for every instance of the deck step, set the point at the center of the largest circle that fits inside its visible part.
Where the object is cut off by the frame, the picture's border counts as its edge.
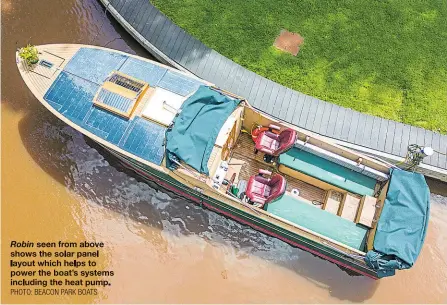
(367, 211)
(332, 201)
(349, 206)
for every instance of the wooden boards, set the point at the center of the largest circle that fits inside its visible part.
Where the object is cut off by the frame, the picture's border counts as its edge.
(332, 201)
(349, 206)
(367, 210)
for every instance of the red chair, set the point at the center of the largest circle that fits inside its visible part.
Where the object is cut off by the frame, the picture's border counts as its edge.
(262, 190)
(273, 144)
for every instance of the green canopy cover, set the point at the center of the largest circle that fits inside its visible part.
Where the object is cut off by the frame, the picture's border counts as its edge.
(195, 129)
(402, 225)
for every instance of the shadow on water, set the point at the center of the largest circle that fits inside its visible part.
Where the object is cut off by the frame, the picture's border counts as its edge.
(88, 170)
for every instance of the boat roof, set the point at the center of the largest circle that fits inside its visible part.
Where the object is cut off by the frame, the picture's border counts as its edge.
(78, 90)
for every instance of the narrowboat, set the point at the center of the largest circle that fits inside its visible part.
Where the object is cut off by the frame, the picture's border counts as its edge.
(213, 148)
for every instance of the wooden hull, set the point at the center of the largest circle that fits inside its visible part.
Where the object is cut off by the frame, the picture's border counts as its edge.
(250, 219)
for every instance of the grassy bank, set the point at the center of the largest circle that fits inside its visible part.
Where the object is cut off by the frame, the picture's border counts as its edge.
(387, 58)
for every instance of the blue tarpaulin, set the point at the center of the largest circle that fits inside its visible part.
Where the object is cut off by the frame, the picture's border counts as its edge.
(195, 129)
(402, 225)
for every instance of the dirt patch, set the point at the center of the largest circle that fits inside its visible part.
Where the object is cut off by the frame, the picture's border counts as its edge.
(289, 42)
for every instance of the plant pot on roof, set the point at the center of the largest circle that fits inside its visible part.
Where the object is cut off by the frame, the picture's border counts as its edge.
(29, 54)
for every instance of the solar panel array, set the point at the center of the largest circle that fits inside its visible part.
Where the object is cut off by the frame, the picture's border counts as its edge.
(114, 100)
(73, 91)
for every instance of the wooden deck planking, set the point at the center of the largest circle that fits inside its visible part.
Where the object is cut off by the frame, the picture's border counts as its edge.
(150, 24)
(248, 82)
(125, 8)
(390, 137)
(297, 103)
(353, 127)
(265, 98)
(155, 19)
(339, 121)
(436, 144)
(144, 17)
(254, 89)
(115, 3)
(120, 5)
(420, 136)
(280, 111)
(303, 112)
(229, 77)
(443, 150)
(405, 140)
(368, 130)
(139, 6)
(133, 11)
(203, 60)
(293, 105)
(361, 121)
(332, 120)
(318, 117)
(171, 38)
(259, 92)
(180, 46)
(242, 82)
(188, 51)
(347, 120)
(325, 118)
(224, 71)
(198, 55)
(159, 29)
(165, 34)
(270, 97)
(285, 104)
(278, 100)
(236, 80)
(428, 141)
(312, 114)
(397, 139)
(212, 66)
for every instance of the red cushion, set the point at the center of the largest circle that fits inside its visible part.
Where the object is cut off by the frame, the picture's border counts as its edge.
(263, 190)
(274, 144)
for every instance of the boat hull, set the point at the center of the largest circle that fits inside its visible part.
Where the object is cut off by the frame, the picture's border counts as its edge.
(70, 112)
(213, 204)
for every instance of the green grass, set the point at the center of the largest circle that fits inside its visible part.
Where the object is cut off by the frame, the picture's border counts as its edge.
(383, 57)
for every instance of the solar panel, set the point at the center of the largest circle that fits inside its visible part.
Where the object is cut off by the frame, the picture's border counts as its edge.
(94, 64)
(73, 97)
(143, 70)
(105, 124)
(178, 83)
(114, 100)
(73, 92)
(145, 139)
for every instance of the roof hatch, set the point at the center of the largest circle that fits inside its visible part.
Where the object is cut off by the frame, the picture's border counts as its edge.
(120, 94)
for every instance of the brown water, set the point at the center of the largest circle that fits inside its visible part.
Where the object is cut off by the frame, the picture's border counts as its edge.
(56, 185)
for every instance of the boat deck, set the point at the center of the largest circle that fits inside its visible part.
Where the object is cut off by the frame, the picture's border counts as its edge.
(77, 72)
(243, 154)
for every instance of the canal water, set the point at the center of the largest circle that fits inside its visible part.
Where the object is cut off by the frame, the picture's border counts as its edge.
(57, 185)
